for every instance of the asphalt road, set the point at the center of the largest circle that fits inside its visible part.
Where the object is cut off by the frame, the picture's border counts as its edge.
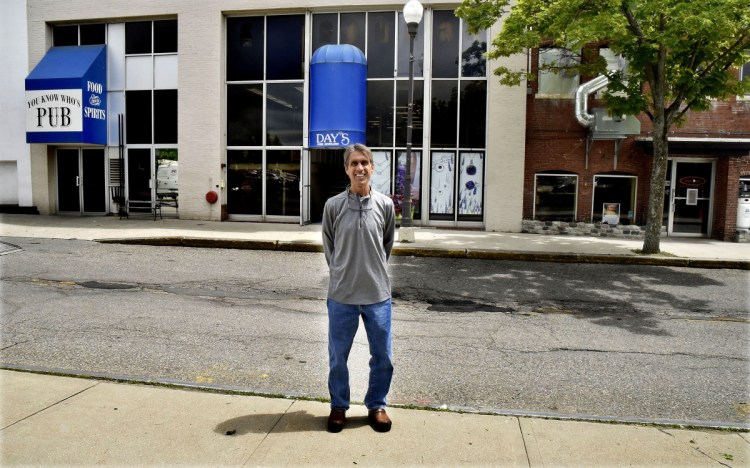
(594, 340)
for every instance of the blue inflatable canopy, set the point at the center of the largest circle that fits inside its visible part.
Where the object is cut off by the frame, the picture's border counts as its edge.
(66, 96)
(338, 96)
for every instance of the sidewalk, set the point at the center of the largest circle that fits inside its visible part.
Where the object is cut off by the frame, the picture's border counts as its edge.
(686, 252)
(49, 420)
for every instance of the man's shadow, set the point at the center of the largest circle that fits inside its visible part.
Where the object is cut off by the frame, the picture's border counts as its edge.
(295, 421)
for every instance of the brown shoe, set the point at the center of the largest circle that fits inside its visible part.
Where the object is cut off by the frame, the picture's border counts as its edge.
(379, 420)
(336, 420)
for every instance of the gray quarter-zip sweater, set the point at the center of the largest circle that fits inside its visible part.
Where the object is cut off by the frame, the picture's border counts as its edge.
(358, 235)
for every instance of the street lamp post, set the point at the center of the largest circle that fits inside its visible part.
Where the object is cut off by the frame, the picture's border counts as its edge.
(413, 16)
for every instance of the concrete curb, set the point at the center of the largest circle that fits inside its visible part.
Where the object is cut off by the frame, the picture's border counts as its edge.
(405, 251)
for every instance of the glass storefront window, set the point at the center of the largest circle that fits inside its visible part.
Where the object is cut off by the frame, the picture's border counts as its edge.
(403, 49)
(353, 29)
(84, 34)
(268, 113)
(282, 182)
(138, 37)
(379, 113)
(325, 30)
(245, 48)
(444, 113)
(416, 171)
(165, 36)
(167, 177)
(555, 197)
(614, 196)
(473, 118)
(138, 117)
(65, 35)
(474, 46)
(92, 34)
(380, 46)
(445, 40)
(553, 84)
(402, 106)
(334, 28)
(245, 115)
(284, 103)
(285, 47)
(245, 182)
(165, 107)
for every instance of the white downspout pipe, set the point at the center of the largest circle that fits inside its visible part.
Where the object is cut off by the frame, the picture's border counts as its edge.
(582, 93)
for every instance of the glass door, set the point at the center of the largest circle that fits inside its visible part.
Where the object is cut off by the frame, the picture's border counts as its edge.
(93, 188)
(691, 194)
(81, 184)
(140, 177)
(68, 181)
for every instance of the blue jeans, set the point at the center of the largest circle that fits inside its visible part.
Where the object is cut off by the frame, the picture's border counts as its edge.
(343, 321)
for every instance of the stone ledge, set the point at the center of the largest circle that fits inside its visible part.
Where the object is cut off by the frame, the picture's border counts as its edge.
(630, 231)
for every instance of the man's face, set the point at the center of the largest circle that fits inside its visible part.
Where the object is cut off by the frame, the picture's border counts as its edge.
(359, 169)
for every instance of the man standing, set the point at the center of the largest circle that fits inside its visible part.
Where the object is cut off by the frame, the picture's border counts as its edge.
(358, 232)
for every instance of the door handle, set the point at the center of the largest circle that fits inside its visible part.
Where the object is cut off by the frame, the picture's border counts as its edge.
(78, 181)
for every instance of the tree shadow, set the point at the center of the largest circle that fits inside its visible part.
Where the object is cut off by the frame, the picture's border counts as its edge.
(623, 296)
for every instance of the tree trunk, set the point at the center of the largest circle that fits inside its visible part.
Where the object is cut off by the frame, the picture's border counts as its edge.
(656, 196)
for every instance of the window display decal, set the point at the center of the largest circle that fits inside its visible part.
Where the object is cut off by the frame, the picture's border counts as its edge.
(470, 184)
(381, 174)
(441, 183)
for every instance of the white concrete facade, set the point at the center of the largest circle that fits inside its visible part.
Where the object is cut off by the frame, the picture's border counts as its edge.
(202, 103)
(15, 164)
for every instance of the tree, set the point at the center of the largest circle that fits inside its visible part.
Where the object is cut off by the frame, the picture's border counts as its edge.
(681, 54)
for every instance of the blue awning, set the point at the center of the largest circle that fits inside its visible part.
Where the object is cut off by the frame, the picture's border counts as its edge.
(66, 96)
(338, 96)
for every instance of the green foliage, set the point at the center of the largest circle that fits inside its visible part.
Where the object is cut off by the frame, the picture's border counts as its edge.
(681, 53)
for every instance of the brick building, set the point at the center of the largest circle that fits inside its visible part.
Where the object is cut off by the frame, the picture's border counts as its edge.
(571, 177)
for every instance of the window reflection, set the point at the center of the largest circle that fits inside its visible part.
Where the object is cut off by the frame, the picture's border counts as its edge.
(167, 176)
(555, 197)
(245, 45)
(285, 47)
(473, 118)
(379, 113)
(353, 29)
(245, 115)
(403, 48)
(444, 113)
(380, 37)
(325, 30)
(473, 61)
(245, 182)
(284, 114)
(445, 44)
(402, 108)
(282, 183)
